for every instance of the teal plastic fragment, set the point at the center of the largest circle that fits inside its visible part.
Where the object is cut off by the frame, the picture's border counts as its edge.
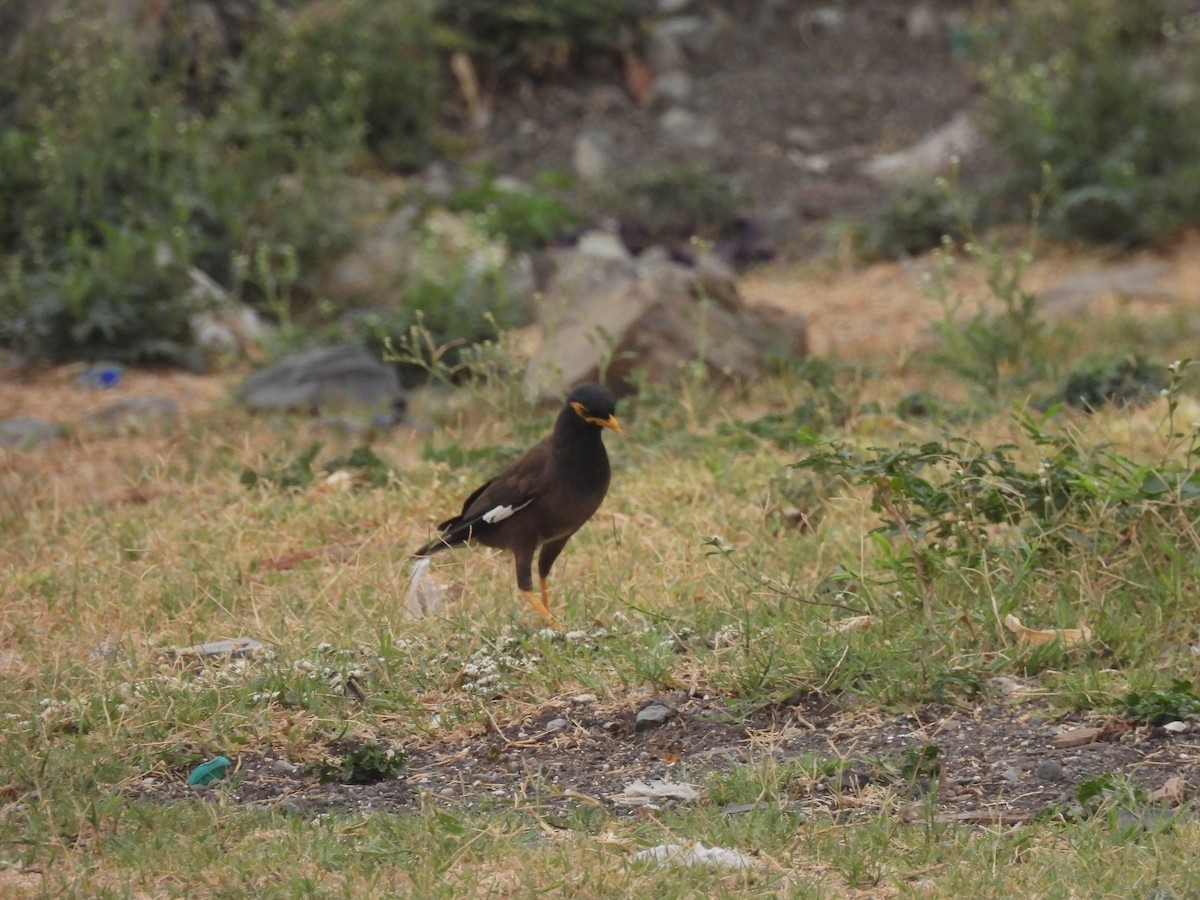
(207, 773)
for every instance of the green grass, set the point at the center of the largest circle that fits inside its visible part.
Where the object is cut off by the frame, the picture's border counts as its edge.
(688, 577)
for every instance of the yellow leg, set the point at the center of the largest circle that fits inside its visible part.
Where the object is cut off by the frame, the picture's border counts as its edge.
(539, 606)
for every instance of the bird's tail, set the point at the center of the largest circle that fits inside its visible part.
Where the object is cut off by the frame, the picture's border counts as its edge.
(427, 550)
(450, 535)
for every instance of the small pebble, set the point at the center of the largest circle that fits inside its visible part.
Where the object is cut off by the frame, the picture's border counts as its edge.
(653, 716)
(1012, 775)
(1051, 770)
(556, 724)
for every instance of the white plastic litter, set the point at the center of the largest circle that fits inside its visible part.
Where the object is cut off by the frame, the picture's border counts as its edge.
(424, 593)
(696, 855)
(642, 793)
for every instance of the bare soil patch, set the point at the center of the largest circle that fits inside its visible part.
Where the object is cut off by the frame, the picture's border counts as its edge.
(1001, 763)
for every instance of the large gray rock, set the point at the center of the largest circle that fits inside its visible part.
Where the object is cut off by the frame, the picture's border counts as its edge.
(26, 432)
(929, 157)
(135, 414)
(605, 316)
(221, 326)
(326, 379)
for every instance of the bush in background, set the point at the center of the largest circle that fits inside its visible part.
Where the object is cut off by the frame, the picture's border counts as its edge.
(674, 203)
(1102, 96)
(1094, 109)
(120, 169)
(916, 219)
(524, 218)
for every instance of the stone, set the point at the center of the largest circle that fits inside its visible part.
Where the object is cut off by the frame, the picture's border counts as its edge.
(1072, 295)
(929, 157)
(1077, 737)
(613, 315)
(27, 432)
(220, 325)
(804, 138)
(687, 129)
(694, 34)
(339, 377)
(237, 330)
(135, 414)
(653, 716)
(664, 52)
(602, 245)
(922, 22)
(595, 149)
(381, 255)
(436, 179)
(1050, 770)
(812, 163)
(823, 18)
(556, 724)
(673, 87)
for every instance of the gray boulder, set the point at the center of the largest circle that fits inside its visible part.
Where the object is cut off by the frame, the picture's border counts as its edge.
(135, 414)
(929, 157)
(605, 317)
(26, 432)
(326, 378)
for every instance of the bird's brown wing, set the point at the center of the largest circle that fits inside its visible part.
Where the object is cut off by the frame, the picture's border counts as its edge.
(496, 501)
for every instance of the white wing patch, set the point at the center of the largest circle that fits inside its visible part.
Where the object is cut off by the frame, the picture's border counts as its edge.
(500, 513)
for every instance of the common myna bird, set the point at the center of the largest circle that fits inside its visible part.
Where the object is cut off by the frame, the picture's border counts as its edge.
(541, 499)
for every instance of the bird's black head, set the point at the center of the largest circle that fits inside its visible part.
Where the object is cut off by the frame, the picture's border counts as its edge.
(595, 404)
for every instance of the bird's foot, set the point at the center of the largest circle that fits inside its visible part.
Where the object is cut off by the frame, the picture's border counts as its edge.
(539, 607)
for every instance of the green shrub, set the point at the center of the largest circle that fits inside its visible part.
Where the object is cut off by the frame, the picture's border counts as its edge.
(539, 37)
(96, 189)
(1125, 379)
(1105, 95)
(115, 179)
(1004, 341)
(676, 202)
(914, 220)
(523, 219)
(331, 70)
(118, 294)
(1160, 706)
